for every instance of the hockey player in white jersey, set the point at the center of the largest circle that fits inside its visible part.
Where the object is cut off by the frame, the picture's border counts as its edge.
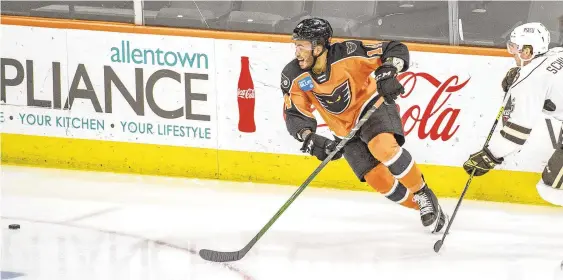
(532, 88)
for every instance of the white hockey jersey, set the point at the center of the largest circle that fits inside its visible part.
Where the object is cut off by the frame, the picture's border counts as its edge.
(537, 90)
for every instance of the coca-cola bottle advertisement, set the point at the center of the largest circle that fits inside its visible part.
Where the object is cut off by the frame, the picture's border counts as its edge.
(246, 98)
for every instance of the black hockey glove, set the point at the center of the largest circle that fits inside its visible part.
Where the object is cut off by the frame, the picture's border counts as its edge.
(509, 79)
(387, 84)
(482, 162)
(320, 146)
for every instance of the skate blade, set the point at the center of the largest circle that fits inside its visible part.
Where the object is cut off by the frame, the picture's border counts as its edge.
(437, 223)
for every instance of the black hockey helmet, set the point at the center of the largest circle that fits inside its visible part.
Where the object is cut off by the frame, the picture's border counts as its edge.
(316, 30)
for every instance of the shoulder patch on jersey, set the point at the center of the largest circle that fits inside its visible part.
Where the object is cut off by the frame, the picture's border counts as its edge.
(351, 47)
(344, 49)
(306, 83)
(285, 82)
(289, 73)
(337, 101)
(357, 48)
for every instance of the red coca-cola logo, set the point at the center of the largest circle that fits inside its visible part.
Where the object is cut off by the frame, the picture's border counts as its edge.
(434, 120)
(421, 116)
(245, 93)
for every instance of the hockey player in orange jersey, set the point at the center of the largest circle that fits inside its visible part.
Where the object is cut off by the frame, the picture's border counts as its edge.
(336, 80)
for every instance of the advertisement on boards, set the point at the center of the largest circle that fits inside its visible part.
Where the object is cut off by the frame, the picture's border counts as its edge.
(448, 108)
(109, 86)
(458, 99)
(250, 111)
(225, 94)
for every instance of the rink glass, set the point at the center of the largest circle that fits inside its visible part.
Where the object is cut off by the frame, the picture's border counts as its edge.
(469, 23)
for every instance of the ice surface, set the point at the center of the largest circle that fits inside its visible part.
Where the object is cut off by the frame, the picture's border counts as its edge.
(86, 225)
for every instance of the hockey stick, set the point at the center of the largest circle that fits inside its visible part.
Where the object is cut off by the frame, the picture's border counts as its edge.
(216, 256)
(439, 243)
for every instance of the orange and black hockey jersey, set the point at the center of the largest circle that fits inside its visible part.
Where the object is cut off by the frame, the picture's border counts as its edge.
(342, 92)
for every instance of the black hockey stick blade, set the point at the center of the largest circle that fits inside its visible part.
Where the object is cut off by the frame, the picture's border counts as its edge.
(439, 243)
(216, 256)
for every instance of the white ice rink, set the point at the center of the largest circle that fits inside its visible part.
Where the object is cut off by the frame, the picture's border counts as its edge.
(83, 225)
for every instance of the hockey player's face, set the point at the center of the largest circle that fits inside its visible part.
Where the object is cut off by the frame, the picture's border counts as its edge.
(303, 53)
(520, 57)
(523, 57)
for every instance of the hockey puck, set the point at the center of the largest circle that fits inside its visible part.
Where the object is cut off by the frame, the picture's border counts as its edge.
(14, 226)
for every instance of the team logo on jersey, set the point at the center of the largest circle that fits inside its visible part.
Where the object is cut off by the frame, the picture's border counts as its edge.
(306, 84)
(351, 47)
(338, 100)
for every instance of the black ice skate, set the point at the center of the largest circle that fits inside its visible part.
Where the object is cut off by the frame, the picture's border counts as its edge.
(431, 213)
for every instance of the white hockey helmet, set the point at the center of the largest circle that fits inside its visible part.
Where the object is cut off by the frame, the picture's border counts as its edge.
(533, 34)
